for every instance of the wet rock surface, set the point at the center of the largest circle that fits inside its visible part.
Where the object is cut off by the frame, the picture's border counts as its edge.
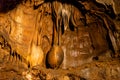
(89, 38)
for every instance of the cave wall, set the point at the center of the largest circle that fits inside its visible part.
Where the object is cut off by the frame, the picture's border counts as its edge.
(81, 44)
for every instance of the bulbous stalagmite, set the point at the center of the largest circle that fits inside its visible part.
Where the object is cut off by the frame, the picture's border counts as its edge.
(55, 57)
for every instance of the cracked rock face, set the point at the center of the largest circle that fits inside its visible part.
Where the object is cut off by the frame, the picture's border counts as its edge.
(114, 3)
(89, 36)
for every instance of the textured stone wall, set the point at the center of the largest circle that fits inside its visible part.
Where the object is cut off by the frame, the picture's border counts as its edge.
(89, 38)
(86, 36)
(114, 3)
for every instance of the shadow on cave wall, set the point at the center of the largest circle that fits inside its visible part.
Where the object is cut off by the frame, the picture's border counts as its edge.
(7, 5)
(108, 9)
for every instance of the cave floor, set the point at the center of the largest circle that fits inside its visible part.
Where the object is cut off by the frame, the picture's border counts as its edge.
(14, 69)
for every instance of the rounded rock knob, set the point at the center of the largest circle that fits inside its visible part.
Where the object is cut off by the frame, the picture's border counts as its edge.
(55, 57)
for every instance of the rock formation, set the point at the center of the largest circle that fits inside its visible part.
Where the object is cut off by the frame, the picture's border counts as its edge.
(89, 38)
